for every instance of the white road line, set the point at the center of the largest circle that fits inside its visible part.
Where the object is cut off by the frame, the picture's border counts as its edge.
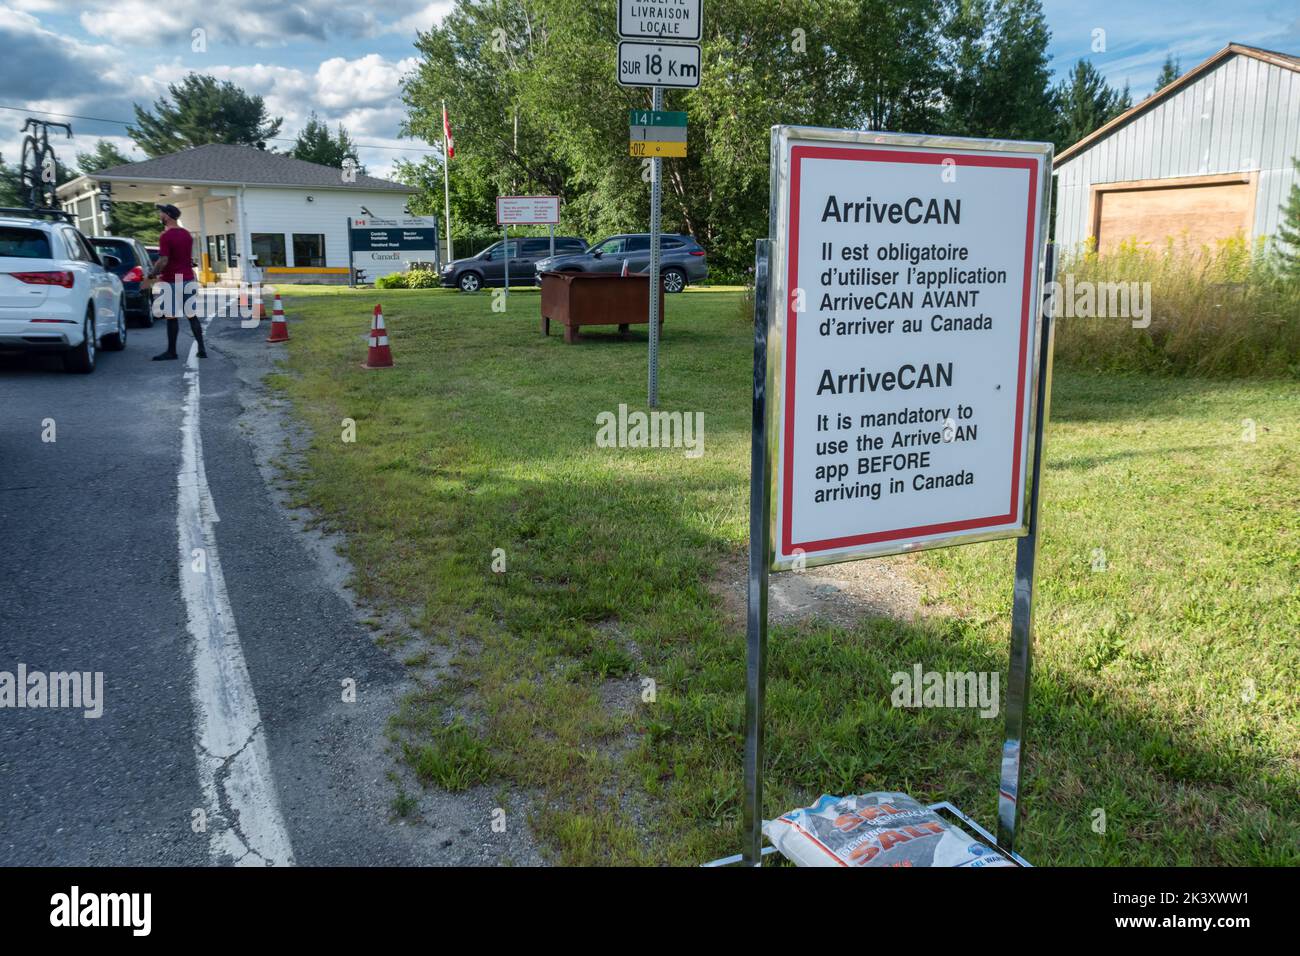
(243, 812)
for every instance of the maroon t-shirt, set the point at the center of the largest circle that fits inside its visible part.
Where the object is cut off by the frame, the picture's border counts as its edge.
(177, 245)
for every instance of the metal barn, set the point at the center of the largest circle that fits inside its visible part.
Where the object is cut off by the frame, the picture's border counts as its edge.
(1206, 158)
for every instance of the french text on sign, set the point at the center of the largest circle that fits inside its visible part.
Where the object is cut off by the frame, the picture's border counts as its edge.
(528, 210)
(659, 64)
(660, 19)
(906, 305)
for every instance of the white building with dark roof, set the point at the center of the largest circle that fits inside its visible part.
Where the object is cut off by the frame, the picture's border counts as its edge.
(292, 215)
(1205, 158)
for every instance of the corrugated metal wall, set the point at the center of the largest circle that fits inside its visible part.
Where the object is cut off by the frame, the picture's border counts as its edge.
(1243, 115)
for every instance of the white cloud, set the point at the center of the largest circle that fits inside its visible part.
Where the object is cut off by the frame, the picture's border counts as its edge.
(369, 80)
(421, 20)
(243, 22)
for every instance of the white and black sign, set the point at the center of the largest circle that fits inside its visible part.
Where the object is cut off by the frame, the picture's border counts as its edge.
(383, 246)
(659, 64)
(906, 290)
(528, 210)
(660, 19)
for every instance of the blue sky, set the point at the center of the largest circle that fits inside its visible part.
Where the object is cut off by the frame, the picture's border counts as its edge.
(344, 59)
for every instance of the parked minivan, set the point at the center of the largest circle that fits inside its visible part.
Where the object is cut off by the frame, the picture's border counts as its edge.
(489, 266)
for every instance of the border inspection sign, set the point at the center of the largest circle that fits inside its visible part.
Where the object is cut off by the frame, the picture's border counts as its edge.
(660, 19)
(528, 210)
(906, 290)
(674, 65)
(657, 133)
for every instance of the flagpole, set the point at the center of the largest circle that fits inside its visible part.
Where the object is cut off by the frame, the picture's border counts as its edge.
(446, 181)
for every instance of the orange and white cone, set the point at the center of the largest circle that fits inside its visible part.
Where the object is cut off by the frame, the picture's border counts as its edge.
(624, 273)
(379, 354)
(259, 312)
(279, 328)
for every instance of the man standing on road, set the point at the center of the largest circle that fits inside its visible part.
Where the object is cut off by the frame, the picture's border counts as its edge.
(176, 274)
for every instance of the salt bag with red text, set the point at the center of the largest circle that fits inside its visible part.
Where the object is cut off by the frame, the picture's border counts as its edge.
(875, 829)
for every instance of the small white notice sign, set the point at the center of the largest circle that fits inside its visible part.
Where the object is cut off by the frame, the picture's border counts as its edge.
(906, 288)
(528, 210)
(660, 19)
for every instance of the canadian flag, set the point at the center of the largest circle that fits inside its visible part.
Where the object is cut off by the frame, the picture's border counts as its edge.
(446, 133)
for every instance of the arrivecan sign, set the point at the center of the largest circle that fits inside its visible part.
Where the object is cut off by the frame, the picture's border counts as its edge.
(906, 288)
(383, 246)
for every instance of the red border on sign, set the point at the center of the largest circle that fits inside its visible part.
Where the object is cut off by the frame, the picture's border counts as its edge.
(535, 222)
(797, 155)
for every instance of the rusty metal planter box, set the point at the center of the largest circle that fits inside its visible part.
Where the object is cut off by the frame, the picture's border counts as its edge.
(575, 299)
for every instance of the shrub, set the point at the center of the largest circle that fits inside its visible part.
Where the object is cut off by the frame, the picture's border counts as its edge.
(422, 279)
(1227, 310)
(394, 280)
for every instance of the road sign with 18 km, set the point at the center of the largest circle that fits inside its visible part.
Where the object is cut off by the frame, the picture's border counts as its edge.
(659, 64)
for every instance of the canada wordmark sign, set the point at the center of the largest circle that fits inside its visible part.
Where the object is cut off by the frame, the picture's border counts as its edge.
(906, 281)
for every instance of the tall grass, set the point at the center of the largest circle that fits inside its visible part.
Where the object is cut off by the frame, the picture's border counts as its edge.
(1226, 310)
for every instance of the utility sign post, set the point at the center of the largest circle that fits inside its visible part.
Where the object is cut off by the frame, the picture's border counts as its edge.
(658, 65)
(902, 354)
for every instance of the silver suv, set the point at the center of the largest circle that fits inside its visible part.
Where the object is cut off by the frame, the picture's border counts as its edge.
(681, 260)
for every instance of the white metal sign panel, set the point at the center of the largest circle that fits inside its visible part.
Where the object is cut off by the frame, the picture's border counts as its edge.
(659, 64)
(906, 288)
(660, 19)
(528, 210)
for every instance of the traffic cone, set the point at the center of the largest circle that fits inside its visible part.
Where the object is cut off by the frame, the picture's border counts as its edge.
(259, 311)
(379, 354)
(624, 273)
(279, 328)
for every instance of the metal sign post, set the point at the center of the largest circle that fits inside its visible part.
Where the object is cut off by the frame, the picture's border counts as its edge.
(951, 358)
(675, 64)
(656, 198)
(1022, 607)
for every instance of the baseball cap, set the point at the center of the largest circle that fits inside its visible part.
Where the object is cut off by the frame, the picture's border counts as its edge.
(169, 209)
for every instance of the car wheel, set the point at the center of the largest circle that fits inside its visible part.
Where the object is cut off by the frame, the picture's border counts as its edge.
(470, 282)
(117, 340)
(82, 358)
(674, 280)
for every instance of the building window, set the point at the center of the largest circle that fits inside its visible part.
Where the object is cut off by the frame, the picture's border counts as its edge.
(308, 249)
(269, 248)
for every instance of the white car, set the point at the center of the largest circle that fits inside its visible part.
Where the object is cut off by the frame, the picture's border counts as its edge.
(56, 294)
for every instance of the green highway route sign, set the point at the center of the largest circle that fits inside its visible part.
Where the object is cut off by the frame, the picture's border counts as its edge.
(657, 133)
(656, 118)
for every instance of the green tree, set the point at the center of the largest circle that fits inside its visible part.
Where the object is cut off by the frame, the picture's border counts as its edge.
(9, 184)
(1288, 230)
(996, 81)
(1086, 102)
(137, 220)
(316, 144)
(202, 110)
(1168, 73)
(529, 87)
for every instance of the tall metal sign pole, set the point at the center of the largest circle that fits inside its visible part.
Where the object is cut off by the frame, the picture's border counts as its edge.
(656, 201)
(657, 51)
(917, 423)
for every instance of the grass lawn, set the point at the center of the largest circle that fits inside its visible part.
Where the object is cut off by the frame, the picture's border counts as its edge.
(1165, 686)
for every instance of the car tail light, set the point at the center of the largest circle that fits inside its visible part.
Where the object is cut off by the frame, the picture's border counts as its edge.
(697, 252)
(134, 274)
(64, 279)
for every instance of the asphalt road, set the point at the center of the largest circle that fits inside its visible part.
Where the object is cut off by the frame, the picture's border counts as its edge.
(90, 581)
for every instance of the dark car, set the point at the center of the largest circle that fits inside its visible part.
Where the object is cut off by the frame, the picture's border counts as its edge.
(681, 259)
(489, 266)
(129, 254)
